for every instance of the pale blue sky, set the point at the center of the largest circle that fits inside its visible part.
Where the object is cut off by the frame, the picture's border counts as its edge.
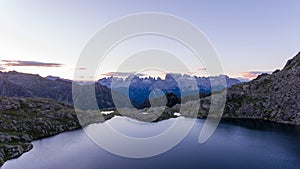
(253, 35)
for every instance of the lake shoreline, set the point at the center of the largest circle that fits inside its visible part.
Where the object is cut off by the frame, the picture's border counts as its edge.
(230, 138)
(234, 121)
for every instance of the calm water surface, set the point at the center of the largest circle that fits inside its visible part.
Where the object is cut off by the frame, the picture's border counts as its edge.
(239, 144)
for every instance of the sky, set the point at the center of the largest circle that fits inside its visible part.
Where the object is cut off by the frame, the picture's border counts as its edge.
(47, 37)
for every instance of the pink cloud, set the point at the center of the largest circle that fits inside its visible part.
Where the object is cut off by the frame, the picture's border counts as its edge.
(253, 74)
(29, 63)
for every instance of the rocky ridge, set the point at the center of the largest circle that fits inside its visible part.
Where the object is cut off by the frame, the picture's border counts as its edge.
(16, 84)
(273, 97)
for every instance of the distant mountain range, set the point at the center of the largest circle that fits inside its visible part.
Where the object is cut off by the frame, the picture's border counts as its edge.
(138, 89)
(34, 86)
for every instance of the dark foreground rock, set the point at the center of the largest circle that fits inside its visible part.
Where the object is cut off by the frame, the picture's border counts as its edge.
(23, 120)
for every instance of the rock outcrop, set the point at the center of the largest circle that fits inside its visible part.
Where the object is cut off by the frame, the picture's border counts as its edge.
(24, 119)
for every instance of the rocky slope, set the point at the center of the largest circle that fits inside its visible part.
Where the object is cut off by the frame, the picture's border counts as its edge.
(23, 120)
(29, 85)
(274, 97)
